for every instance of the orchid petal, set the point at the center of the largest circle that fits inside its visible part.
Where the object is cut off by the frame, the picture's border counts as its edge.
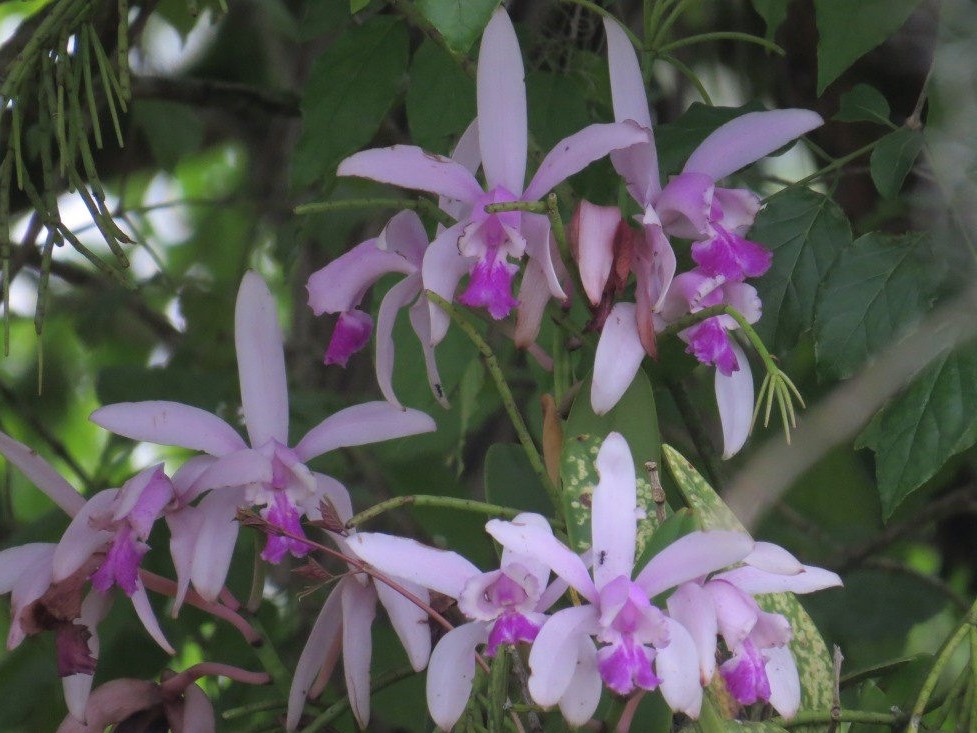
(323, 637)
(771, 558)
(785, 683)
(83, 536)
(187, 474)
(359, 604)
(143, 497)
(370, 422)
(420, 320)
(336, 494)
(539, 570)
(78, 686)
(613, 521)
(594, 229)
(574, 153)
(16, 562)
(440, 570)
(33, 579)
(554, 654)
(451, 671)
(618, 358)
(743, 298)
(405, 235)
(409, 621)
(739, 208)
(443, 267)
(734, 396)
(680, 684)
(692, 607)
(407, 166)
(748, 138)
(240, 468)
(198, 712)
(582, 695)
(533, 297)
(169, 423)
(468, 154)
(260, 362)
(140, 602)
(755, 581)
(215, 541)
(340, 285)
(654, 268)
(692, 556)
(399, 296)
(736, 612)
(685, 205)
(528, 539)
(42, 474)
(184, 527)
(501, 98)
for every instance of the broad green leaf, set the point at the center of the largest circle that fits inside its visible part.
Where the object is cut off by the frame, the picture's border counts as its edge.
(773, 12)
(806, 231)
(440, 99)
(356, 6)
(876, 288)
(918, 431)
(511, 481)
(350, 88)
(848, 29)
(863, 103)
(676, 140)
(871, 697)
(635, 418)
(557, 107)
(893, 158)
(173, 131)
(808, 647)
(461, 23)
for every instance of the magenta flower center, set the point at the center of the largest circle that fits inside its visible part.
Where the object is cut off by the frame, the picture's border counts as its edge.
(121, 564)
(352, 333)
(282, 513)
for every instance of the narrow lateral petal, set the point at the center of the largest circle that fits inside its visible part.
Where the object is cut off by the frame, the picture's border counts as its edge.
(582, 695)
(404, 235)
(440, 570)
(198, 712)
(420, 320)
(184, 527)
(684, 206)
(443, 268)
(359, 604)
(370, 422)
(748, 138)
(408, 166)
(785, 683)
(613, 521)
(574, 153)
(240, 468)
(215, 541)
(84, 536)
(324, 636)
(140, 602)
(399, 296)
(627, 85)
(451, 671)
(169, 423)
(618, 358)
(692, 556)
(692, 607)
(734, 397)
(533, 297)
(593, 230)
(21, 560)
(42, 474)
(676, 665)
(409, 621)
(554, 654)
(772, 558)
(501, 97)
(755, 581)
(261, 362)
(340, 285)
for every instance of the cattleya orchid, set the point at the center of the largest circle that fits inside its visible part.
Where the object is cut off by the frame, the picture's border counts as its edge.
(480, 243)
(506, 606)
(265, 472)
(689, 206)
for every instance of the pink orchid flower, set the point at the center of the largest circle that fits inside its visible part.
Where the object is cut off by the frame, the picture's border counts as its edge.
(640, 646)
(481, 244)
(505, 606)
(267, 472)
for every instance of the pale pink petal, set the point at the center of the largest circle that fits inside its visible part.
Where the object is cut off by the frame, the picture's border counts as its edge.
(654, 268)
(337, 495)
(736, 612)
(595, 228)
(370, 422)
(734, 396)
(528, 539)
(501, 93)
(261, 362)
(785, 684)
(772, 558)
(685, 206)
(554, 654)
(184, 527)
(679, 672)
(240, 468)
(420, 320)
(42, 474)
(407, 166)
(755, 581)
(409, 621)
(539, 570)
(692, 607)
(84, 535)
(582, 695)
(359, 603)
(533, 297)
(142, 499)
(451, 671)
(466, 153)
(554, 592)
(22, 560)
(739, 206)
(188, 473)
(627, 84)
(169, 423)
(692, 556)
(404, 235)
(748, 138)
(78, 686)
(618, 358)
(743, 298)
(33, 579)
(140, 602)
(440, 570)
(574, 153)
(443, 267)
(399, 296)
(215, 541)
(323, 637)
(541, 247)
(340, 285)
(612, 520)
(198, 712)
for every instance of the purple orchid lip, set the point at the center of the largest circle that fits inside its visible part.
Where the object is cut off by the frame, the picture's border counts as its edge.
(510, 628)
(352, 333)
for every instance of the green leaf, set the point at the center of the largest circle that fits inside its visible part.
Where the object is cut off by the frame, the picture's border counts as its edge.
(356, 6)
(848, 29)
(773, 12)
(557, 107)
(461, 23)
(511, 481)
(876, 288)
(635, 418)
(893, 158)
(916, 433)
(808, 647)
(863, 103)
(806, 231)
(440, 99)
(676, 140)
(173, 131)
(350, 88)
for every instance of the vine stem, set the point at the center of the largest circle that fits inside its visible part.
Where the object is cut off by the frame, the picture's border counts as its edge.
(448, 502)
(833, 165)
(722, 36)
(724, 310)
(508, 401)
(814, 717)
(419, 204)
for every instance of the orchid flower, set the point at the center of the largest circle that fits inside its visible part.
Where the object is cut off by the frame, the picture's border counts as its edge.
(640, 646)
(505, 606)
(481, 244)
(265, 472)
(344, 623)
(762, 666)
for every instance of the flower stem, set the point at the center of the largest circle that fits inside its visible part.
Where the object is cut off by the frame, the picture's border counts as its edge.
(448, 502)
(722, 36)
(533, 207)
(418, 204)
(833, 165)
(814, 717)
(339, 707)
(271, 661)
(508, 402)
(605, 13)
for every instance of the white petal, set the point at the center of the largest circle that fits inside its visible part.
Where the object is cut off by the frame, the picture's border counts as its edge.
(83, 537)
(359, 610)
(692, 607)
(440, 570)
(692, 556)
(613, 519)
(554, 654)
(451, 671)
(322, 639)
(618, 358)
(676, 665)
(785, 684)
(370, 422)
(734, 396)
(409, 621)
(582, 695)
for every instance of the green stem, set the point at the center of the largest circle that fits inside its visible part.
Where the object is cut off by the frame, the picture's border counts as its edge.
(605, 13)
(447, 502)
(814, 717)
(270, 661)
(419, 204)
(722, 36)
(341, 706)
(655, 42)
(834, 165)
(690, 75)
(508, 402)
(246, 711)
(533, 207)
